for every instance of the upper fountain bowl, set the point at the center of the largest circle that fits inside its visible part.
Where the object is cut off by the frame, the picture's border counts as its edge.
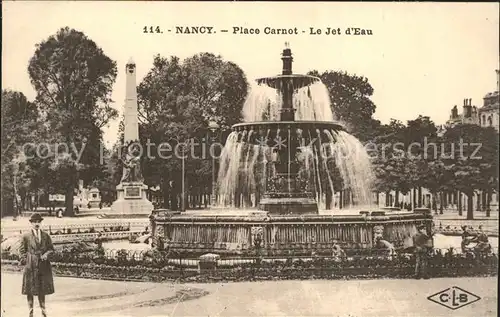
(297, 81)
(270, 131)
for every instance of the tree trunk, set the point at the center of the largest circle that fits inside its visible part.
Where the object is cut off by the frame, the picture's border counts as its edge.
(488, 202)
(378, 198)
(414, 202)
(478, 201)
(37, 200)
(396, 199)
(443, 197)
(341, 199)
(484, 198)
(70, 191)
(22, 203)
(69, 200)
(237, 199)
(470, 206)
(459, 203)
(419, 197)
(387, 198)
(328, 200)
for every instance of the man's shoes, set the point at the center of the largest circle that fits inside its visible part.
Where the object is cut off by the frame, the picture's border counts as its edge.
(417, 277)
(426, 277)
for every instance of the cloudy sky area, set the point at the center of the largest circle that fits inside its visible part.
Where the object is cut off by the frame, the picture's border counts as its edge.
(422, 59)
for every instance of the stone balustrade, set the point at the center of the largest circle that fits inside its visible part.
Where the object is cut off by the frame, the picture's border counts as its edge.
(78, 237)
(80, 228)
(277, 235)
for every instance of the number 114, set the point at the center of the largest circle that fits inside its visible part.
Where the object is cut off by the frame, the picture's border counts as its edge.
(152, 29)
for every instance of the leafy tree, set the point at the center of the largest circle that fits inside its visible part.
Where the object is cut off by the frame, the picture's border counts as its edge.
(471, 156)
(390, 160)
(350, 101)
(73, 79)
(177, 100)
(420, 136)
(20, 126)
(419, 130)
(406, 157)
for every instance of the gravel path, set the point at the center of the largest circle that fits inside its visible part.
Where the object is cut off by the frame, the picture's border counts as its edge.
(93, 298)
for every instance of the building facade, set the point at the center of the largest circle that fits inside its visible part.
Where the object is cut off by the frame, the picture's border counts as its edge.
(485, 116)
(469, 115)
(489, 112)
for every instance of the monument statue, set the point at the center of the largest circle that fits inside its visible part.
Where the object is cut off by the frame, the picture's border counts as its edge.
(132, 167)
(131, 192)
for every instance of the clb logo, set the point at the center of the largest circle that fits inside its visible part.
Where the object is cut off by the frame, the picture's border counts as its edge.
(454, 298)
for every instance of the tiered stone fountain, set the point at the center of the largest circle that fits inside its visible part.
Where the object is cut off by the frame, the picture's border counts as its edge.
(283, 158)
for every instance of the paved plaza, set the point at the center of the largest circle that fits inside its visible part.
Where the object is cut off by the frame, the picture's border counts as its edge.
(22, 223)
(382, 297)
(450, 217)
(93, 298)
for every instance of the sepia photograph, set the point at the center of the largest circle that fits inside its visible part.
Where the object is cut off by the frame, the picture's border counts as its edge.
(247, 159)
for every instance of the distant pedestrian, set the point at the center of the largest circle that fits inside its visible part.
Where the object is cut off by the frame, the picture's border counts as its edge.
(466, 239)
(483, 245)
(36, 247)
(423, 244)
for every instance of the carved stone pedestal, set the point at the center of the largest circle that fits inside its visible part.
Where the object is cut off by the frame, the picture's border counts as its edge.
(132, 201)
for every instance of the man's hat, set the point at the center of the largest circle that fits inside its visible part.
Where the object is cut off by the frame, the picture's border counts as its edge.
(36, 217)
(420, 227)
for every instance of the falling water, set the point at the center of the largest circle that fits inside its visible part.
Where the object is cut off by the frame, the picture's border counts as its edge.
(312, 103)
(335, 161)
(354, 165)
(262, 104)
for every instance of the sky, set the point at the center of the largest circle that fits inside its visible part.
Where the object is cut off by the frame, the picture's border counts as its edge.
(422, 58)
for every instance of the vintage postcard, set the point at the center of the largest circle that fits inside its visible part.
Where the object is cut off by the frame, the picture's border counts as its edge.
(249, 159)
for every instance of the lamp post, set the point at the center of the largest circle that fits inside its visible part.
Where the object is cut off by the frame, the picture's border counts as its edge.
(213, 127)
(183, 147)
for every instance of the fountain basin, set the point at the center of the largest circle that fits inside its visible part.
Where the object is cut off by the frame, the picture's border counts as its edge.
(247, 232)
(296, 81)
(269, 132)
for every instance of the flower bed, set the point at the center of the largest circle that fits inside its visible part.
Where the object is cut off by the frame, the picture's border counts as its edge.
(158, 267)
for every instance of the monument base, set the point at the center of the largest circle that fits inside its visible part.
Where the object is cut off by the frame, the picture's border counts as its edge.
(131, 203)
(289, 206)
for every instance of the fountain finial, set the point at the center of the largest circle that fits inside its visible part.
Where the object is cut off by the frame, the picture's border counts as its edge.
(287, 59)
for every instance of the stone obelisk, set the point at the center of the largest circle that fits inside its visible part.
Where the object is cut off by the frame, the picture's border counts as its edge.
(131, 191)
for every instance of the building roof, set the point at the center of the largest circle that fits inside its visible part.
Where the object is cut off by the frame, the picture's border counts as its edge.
(494, 106)
(491, 95)
(491, 102)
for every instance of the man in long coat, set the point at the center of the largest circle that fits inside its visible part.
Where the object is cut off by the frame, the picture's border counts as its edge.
(36, 247)
(423, 244)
